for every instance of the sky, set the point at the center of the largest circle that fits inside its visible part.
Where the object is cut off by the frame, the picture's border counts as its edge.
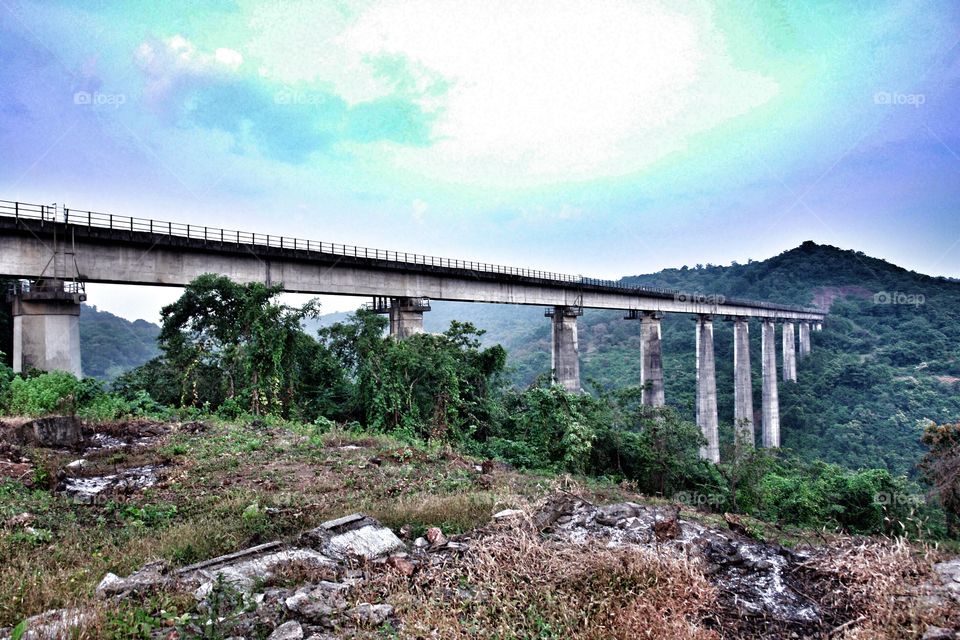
(601, 138)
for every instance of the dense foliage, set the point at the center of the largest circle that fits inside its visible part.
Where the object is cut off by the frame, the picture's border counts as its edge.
(233, 350)
(886, 364)
(110, 345)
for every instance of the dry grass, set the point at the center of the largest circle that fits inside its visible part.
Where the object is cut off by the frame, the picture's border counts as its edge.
(869, 589)
(513, 584)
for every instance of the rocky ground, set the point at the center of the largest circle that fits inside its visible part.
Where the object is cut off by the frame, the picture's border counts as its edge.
(261, 531)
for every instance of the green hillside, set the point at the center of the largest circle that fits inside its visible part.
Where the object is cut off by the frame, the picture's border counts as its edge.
(111, 345)
(878, 370)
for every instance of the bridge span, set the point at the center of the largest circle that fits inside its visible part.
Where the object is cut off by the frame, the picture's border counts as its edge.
(55, 250)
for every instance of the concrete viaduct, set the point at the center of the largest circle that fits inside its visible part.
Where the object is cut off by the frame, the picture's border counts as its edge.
(52, 251)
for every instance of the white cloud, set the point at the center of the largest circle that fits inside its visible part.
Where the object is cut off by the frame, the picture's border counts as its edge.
(539, 92)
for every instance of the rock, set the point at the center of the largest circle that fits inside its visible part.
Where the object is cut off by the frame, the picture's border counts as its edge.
(318, 603)
(20, 520)
(150, 576)
(402, 565)
(735, 524)
(435, 537)
(666, 529)
(938, 633)
(57, 623)
(243, 569)
(290, 630)
(420, 543)
(54, 431)
(507, 514)
(371, 615)
(354, 535)
(77, 465)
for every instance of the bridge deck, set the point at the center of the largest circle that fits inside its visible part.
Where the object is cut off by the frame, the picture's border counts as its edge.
(120, 249)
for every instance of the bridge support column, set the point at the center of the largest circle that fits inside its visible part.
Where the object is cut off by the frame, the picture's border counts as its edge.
(804, 339)
(789, 352)
(565, 353)
(771, 400)
(742, 385)
(818, 326)
(406, 316)
(46, 328)
(651, 360)
(707, 390)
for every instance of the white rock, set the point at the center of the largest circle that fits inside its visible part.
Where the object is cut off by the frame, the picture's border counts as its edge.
(368, 542)
(290, 630)
(507, 514)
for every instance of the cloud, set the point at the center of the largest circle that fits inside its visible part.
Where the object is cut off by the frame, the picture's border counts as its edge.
(191, 88)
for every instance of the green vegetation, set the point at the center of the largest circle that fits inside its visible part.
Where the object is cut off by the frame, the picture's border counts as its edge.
(110, 345)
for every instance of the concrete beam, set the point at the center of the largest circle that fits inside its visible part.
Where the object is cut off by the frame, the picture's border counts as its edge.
(707, 390)
(565, 352)
(117, 257)
(804, 340)
(651, 360)
(742, 385)
(789, 352)
(46, 335)
(770, 399)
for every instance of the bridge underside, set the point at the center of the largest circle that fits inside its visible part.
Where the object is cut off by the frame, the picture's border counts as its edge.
(111, 256)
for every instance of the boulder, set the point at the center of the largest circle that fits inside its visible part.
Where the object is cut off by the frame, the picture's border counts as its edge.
(317, 603)
(290, 630)
(370, 615)
(354, 535)
(150, 576)
(53, 431)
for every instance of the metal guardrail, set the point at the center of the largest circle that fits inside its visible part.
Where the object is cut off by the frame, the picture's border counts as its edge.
(93, 219)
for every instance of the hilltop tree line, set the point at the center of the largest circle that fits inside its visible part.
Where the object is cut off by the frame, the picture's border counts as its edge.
(234, 351)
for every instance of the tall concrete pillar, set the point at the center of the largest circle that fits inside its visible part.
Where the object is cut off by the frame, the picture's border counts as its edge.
(771, 400)
(651, 360)
(707, 390)
(46, 329)
(804, 339)
(789, 352)
(565, 353)
(818, 326)
(742, 384)
(406, 316)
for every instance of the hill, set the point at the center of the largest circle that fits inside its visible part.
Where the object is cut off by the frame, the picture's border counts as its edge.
(887, 360)
(110, 345)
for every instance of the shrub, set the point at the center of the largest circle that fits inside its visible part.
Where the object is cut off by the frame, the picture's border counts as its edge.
(44, 394)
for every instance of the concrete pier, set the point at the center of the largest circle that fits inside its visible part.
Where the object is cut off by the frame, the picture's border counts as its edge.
(770, 400)
(804, 339)
(565, 354)
(651, 359)
(789, 352)
(742, 385)
(406, 316)
(706, 401)
(46, 330)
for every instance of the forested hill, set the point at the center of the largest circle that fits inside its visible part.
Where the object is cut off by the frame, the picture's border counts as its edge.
(110, 345)
(881, 367)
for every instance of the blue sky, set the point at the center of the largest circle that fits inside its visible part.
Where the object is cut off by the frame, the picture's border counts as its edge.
(602, 138)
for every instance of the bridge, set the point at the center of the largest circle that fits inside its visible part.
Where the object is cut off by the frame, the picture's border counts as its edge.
(53, 251)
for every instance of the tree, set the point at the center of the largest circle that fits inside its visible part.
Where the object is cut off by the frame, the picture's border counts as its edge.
(941, 468)
(231, 342)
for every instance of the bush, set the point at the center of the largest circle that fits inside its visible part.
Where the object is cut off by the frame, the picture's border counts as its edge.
(44, 394)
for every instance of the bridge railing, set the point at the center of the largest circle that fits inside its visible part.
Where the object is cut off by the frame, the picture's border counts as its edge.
(94, 219)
